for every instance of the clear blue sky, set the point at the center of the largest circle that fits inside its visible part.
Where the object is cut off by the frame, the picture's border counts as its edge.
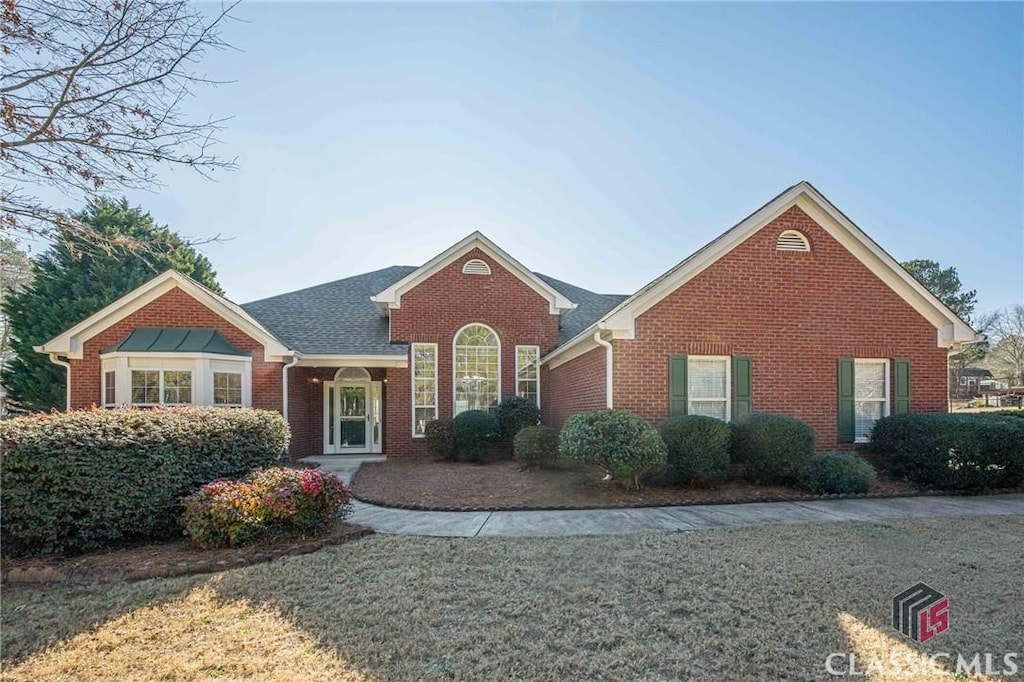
(604, 143)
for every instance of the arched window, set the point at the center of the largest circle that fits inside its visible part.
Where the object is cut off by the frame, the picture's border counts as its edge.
(477, 368)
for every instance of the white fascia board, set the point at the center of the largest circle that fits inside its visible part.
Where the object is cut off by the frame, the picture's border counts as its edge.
(391, 297)
(353, 361)
(71, 342)
(580, 344)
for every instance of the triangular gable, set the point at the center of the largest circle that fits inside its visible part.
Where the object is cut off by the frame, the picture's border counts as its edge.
(620, 321)
(72, 342)
(391, 297)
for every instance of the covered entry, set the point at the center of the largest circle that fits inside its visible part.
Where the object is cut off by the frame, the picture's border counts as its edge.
(352, 412)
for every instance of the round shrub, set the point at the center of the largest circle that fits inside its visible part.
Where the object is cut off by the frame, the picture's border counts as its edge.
(535, 447)
(696, 449)
(268, 503)
(440, 439)
(622, 444)
(951, 451)
(475, 433)
(773, 448)
(74, 481)
(514, 414)
(836, 473)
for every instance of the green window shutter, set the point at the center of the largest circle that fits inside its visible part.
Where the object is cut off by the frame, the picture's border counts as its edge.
(846, 394)
(901, 387)
(676, 385)
(742, 388)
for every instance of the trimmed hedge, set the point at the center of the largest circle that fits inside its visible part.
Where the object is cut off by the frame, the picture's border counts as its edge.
(269, 503)
(476, 433)
(772, 447)
(441, 438)
(951, 451)
(514, 414)
(696, 449)
(535, 447)
(74, 481)
(622, 444)
(836, 473)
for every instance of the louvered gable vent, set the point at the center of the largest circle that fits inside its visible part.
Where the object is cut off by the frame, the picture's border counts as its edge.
(791, 240)
(476, 267)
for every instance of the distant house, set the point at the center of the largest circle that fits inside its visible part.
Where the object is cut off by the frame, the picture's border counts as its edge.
(975, 380)
(794, 310)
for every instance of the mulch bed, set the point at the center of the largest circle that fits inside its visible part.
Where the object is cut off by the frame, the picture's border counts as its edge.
(501, 486)
(163, 560)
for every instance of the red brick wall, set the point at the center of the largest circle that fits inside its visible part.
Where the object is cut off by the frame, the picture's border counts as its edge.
(174, 309)
(576, 386)
(434, 311)
(794, 314)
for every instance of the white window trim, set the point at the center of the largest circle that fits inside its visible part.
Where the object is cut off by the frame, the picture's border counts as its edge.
(201, 365)
(536, 349)
(160, 385)
(104, 372)
(886, 401)
(728, 383)
(412, 386)
(213, 388)
(455, 351)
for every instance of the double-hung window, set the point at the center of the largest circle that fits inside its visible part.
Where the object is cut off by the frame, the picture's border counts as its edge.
(708, 387)
(424, 386)
(227, 389)
(161, 387)
(871, 395)
(527, 373)
(109, 389)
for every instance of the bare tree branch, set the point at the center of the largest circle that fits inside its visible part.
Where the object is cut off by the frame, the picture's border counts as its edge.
(91, 101)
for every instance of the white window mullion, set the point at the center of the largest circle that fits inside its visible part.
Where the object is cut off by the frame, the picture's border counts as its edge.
(423, 372)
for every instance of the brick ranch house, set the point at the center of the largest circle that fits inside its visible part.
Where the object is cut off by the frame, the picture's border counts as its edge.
(794, 310)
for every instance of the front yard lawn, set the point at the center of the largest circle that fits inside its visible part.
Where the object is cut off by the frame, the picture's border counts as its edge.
(731, 604)
(425, 484)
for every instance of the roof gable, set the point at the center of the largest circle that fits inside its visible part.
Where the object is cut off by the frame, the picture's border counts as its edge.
(620, 321)
(391, 297)
(72, 341)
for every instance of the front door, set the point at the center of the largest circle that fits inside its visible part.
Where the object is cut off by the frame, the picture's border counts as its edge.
(352, 416)
(353, 427)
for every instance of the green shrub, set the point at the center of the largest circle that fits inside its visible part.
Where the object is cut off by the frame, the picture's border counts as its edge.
(773, 448)
(696, 449)
(268, 503)
(535, 447)
(74, 481)
(951, 451)
(476, 433)
(836, 473)
(622, 444)
(440, 439)
(514, 414)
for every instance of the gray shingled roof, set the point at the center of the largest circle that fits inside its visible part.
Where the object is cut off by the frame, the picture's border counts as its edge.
(338, 318)
(589, 307)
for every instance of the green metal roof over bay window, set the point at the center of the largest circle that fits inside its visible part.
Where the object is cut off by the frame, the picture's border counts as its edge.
(175, 340)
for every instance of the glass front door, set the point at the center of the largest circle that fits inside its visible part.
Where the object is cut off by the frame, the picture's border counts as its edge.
(353, 417)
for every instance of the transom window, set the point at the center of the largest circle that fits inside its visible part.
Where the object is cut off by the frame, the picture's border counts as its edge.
(527, 379)
(424, 386)
(707, 387)
(871, 395)
(477, 368)
(227, 389)
(161, 387)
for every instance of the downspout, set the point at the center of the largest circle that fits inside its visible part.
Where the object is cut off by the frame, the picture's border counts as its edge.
(608, 367)
(67, 384)
(284, 385)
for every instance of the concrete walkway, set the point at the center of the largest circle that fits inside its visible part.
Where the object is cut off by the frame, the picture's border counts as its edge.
(621, 521)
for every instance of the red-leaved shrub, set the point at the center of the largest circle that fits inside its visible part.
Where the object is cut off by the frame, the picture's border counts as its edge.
(268, 503)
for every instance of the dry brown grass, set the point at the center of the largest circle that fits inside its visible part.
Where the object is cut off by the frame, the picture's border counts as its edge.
(743, 603)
